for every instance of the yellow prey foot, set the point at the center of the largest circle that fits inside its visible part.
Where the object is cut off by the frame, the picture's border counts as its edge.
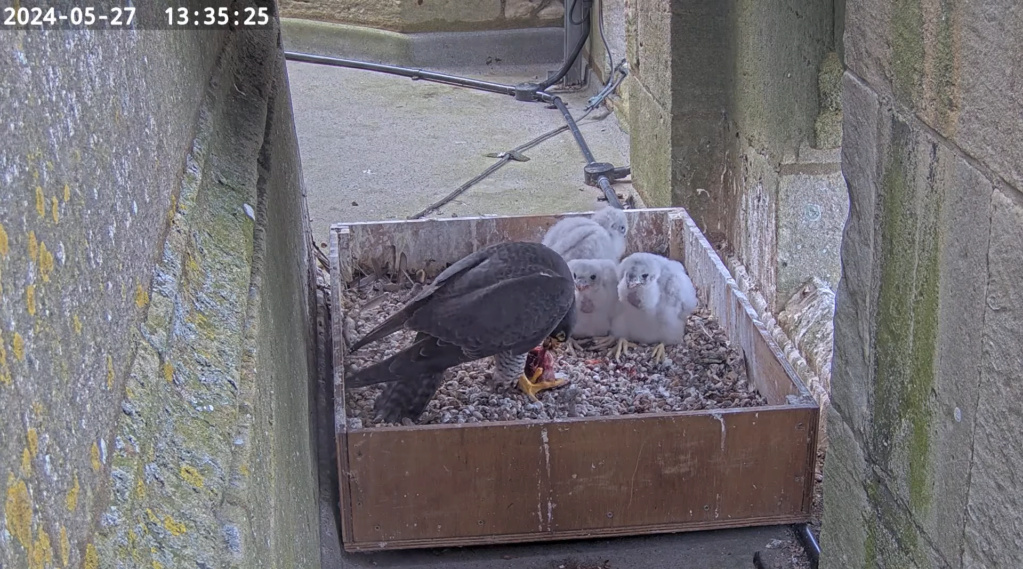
(531, 386)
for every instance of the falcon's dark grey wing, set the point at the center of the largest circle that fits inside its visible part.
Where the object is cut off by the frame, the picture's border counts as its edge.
(397, 320)
(512, 315)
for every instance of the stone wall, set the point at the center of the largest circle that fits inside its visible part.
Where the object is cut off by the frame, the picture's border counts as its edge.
(430, 15)
(154, 304)
(923, 467)
(735, 114)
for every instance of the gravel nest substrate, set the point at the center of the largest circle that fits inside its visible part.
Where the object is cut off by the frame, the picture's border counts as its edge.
(703, 373)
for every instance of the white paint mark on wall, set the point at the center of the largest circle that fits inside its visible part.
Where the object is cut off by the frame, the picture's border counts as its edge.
(724, 430)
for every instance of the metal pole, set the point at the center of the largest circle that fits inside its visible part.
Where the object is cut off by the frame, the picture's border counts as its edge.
(404, 72)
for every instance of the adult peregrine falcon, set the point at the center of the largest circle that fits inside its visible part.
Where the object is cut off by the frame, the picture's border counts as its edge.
(501, 301)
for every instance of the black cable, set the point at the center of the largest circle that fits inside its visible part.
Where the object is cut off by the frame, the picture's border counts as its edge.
(569, 61)
(504, 159)
(603, 38)
(813, 550)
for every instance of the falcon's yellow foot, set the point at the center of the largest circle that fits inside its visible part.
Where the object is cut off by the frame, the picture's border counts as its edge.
(621, 348)
(531, 385)
(658, 354)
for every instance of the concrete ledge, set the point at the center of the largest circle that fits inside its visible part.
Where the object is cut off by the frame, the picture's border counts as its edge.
(527, 46)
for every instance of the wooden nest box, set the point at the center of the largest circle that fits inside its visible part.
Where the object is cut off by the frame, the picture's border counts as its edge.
(527, 481)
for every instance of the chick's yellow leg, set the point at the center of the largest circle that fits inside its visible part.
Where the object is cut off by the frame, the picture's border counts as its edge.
(658, 353)
(531, 385)
(621, 348)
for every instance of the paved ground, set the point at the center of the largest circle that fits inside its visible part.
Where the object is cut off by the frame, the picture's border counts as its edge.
(375, 147)
(378, 146)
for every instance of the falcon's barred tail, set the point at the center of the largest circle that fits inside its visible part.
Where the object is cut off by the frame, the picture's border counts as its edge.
(406, 398)
(425, 356)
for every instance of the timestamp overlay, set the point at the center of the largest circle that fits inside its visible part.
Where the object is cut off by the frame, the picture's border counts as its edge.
(111, 15)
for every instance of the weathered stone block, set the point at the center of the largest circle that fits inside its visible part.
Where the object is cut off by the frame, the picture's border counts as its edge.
(844, 532)
(90, 163)
(650, 154)
(852, 369)
(995, 511)
(964, 226)
(981, 98)
(812, 210)
(653, 49)
(438, 15)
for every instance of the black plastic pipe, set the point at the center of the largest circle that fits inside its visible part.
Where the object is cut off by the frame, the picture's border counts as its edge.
(574, 128)
(403, 71)
(567, 64)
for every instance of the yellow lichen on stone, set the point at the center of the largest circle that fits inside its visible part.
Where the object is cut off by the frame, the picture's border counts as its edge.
(141, 296)
(18, 511)
(18, 344)
(30, 299)
(110, 372)
(5, 371)
(67, 193)
(157, 564)
(65, 547)
(191, 475)
(40, 202)
(42, 551)
(45, 262)
(173, 526)
(77, 323)
(94, 457)
(168, 372)
(140, 489)
(244, 469)
(91, 557)
(53, 209)
(71, 501)
(5, 244)
(33, 246)
(38, 409)
(26, 463)
(33, 440)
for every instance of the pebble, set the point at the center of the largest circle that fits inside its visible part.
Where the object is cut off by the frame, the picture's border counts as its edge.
(705, 372)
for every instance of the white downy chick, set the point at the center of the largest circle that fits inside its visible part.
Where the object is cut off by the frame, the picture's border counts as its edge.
(601, 236)
(596, 296)
(656, 297)
(617, 225)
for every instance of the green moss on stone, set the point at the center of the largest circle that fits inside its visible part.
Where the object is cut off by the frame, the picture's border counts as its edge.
(946, 68)
(907, 38)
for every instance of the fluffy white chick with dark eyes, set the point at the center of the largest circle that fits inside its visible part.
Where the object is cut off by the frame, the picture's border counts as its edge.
(596, 296)
(601, 236)
(656, 297)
